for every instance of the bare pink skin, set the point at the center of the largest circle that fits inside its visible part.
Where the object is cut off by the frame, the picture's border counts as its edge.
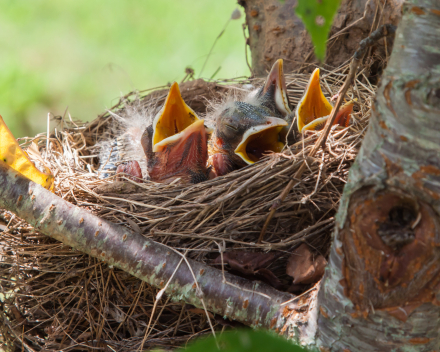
(131, 169)
(185, 159)
(222, 164)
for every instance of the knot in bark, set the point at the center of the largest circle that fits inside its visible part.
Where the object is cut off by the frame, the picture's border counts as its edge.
(398, 230)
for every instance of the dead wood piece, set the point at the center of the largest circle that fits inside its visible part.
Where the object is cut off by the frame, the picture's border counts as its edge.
(246, 262)
(251, 265)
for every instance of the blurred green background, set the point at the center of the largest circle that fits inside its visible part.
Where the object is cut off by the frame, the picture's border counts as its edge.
(83, 55)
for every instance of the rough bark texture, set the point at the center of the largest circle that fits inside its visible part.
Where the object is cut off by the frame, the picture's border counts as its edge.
(276, 32)
(252, 303)
(381, 288)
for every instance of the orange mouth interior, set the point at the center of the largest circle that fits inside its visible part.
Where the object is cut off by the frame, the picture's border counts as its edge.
(314, 104)
(342, 118)
(174, 117)
(260, 140)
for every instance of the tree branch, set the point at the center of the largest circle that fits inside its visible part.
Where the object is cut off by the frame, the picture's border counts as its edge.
(252, 303)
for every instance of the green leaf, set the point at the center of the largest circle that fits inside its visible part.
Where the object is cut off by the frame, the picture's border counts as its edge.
(317, 16)
(245, 341)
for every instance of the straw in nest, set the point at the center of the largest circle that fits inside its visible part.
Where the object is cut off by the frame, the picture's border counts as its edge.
(56, 298)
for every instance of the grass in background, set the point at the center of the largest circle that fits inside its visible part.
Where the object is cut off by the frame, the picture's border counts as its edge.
(83, 55)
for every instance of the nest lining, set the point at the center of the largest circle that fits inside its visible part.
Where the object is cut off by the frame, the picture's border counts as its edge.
(57, 298)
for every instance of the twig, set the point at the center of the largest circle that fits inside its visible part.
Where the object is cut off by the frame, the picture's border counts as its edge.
(382, 31)
(213, 45)
(302, 294)
(351, 24)
(246, 40)
(199, 292)
(47, 137)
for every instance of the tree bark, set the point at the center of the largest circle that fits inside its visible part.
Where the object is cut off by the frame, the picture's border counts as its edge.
(276, 32)
(381, 288)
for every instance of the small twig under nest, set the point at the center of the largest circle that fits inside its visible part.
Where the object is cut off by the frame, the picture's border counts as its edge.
(68, 300)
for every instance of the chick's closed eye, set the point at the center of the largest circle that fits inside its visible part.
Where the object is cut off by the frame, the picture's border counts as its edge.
(231, 126)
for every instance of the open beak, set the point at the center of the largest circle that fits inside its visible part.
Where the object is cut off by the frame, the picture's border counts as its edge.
(260, 139)
(313, 104)
(342, 118)
(173, 118)
(276, 80)
(178, 140)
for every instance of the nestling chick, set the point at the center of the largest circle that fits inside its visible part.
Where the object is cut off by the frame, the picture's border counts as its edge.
(314, 109)
(125, 144)
(245, 130)
(176, 144)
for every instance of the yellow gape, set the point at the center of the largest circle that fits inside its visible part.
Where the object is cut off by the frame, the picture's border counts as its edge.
(174, 117)
(314, 109)
(16, 158)
(259, 140)
(313, 104)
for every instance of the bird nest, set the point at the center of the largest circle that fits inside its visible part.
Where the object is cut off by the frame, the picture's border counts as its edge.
(56, 298)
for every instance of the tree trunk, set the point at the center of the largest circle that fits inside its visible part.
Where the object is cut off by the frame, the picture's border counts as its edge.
(381, 288)
(276, 32)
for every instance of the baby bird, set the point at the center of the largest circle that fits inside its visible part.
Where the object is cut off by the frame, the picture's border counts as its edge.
(314, 109)
(173, 146)
(176, 143)
(245, 130)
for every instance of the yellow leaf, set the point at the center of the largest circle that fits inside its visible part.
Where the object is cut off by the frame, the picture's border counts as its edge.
(16, 158)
